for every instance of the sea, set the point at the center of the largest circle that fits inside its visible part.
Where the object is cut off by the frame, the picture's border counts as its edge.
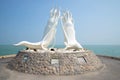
(107, 50)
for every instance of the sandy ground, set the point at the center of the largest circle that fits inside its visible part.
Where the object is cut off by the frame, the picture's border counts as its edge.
(110, 72)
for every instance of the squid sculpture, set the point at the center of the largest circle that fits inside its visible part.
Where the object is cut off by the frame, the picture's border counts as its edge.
(49, 33)
(69, 32)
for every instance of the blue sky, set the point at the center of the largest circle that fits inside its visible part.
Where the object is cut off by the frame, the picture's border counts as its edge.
(96, 21)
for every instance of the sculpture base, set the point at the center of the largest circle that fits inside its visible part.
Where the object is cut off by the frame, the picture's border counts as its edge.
(58, 62)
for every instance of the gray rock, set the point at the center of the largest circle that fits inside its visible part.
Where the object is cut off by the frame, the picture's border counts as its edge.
(69, 62)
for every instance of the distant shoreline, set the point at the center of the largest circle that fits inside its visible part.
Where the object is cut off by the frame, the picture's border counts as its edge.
(7, 56)
(111, 57)
(107, 50)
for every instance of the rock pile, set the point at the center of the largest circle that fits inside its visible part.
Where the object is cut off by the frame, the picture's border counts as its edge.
(56, 62)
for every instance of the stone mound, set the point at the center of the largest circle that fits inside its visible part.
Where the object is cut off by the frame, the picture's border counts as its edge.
(55, 62)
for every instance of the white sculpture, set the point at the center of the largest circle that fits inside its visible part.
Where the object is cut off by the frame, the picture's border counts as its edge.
(50, 31)
(69, 31)
(48, 34)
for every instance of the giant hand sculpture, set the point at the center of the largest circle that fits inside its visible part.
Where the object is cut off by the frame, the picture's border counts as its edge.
(49, 33)
(69, 32)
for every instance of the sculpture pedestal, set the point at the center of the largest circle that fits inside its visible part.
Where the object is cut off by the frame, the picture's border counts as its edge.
(58, 62)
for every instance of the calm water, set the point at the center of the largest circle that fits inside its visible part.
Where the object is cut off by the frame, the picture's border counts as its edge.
(110, 50)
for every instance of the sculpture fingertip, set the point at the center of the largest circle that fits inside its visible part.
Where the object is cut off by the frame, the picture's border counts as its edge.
(15, 44)
(52, 10)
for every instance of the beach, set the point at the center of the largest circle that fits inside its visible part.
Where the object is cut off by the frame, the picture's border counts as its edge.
(111, 71)
(7, 56)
